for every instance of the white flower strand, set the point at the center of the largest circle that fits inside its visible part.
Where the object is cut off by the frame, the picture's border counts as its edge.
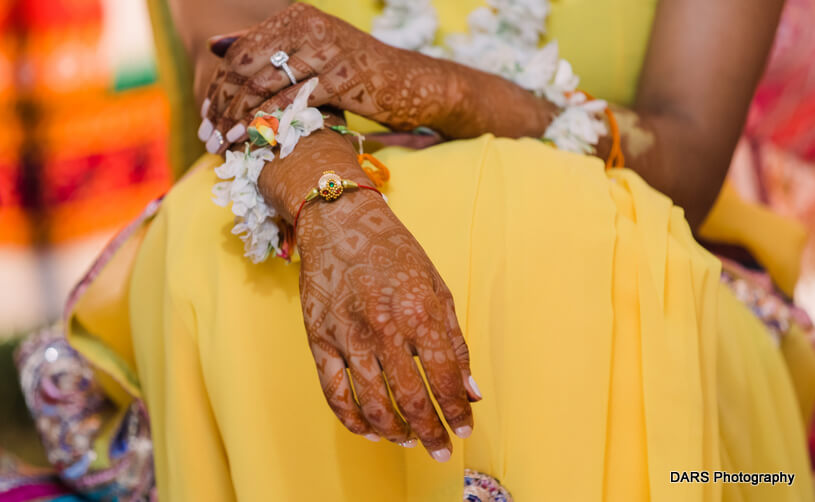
(504, 39)
(255, 221)
(407, 24)
(298, 119)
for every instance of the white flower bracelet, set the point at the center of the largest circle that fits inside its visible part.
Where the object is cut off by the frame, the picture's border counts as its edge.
(255, 221)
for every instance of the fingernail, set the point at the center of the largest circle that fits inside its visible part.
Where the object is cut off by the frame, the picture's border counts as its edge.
(464, 431)
(205, 131)
(205, 107)
(236, 132)
(214, 142)
(410, 443)
(372, 437)
(441, 455)
(219, 44)
(474, 387)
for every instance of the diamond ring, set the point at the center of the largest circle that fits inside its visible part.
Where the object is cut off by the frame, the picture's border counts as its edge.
(279, 60)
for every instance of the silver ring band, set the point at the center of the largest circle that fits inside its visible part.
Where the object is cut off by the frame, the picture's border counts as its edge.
(279, 60)
(220, 137)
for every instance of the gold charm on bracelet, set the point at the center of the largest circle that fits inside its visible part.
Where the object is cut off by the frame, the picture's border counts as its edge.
(330, 186)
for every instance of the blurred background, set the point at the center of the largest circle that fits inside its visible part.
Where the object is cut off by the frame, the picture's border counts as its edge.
(84, 147)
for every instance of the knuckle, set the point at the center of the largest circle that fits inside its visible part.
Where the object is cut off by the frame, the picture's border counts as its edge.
(459, 417)
(420, 413)
(433, 437)
(354, 424)
(235, 51)
(461, 349)
(349, 416)
(383, 421)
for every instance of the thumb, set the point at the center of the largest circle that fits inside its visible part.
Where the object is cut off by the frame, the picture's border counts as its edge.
(461, 350)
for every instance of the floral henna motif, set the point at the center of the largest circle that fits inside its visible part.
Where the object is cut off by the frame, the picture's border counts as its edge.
(372, 303)
(374, 278)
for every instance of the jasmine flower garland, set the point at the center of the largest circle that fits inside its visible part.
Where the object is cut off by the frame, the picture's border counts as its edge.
(504, 39)
(255, 221)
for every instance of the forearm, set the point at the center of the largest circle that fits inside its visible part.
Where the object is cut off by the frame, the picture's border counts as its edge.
(673, 156)
(487, 103)
(662, 147)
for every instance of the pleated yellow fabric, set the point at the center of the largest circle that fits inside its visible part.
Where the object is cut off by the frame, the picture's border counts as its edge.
(607, 351)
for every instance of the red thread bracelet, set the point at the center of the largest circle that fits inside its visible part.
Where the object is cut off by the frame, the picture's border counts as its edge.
(329, 187)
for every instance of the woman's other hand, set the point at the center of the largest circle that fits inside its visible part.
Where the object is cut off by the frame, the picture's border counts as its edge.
(358, 73)
(371, 301)
(402, 89)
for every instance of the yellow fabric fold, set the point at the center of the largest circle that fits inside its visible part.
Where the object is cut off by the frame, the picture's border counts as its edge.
(775, 241)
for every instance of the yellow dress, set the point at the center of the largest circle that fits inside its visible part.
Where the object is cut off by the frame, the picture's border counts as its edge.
(606, 349)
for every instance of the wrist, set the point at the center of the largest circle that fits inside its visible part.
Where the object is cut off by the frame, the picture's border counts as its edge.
(482, 103)
(285, 183)
(335, 214)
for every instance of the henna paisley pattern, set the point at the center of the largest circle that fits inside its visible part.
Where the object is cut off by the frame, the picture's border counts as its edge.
(374, 306)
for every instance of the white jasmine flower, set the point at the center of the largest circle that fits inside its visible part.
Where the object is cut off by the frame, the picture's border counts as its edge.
(231, 167)
(578, 128)
(254, 219)
(565, 78)
(407, 24)
(538, 72)
(435, 51)
(483, 20)
(221, 193)
(298, 119)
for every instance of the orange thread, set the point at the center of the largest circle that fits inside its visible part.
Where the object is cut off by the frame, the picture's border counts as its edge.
(615, 156)
(380, 175)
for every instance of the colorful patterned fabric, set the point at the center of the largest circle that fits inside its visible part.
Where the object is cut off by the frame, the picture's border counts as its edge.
(95, 449)
(18, 479)
(781, 317)
(755, 289)
(479, 487)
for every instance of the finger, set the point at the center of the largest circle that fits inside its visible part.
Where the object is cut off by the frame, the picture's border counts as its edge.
(250, 53)
(215, 97)
(435, 349)
(374, 399)
(337, 390)
(222, 91)
(260, 87)
(219, 44)
(460, 347)
(414, 402)
(237, 133)
(207, 126)
(440, 364)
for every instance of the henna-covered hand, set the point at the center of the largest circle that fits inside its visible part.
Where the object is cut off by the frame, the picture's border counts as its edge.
(401, 89)
(371, 301)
